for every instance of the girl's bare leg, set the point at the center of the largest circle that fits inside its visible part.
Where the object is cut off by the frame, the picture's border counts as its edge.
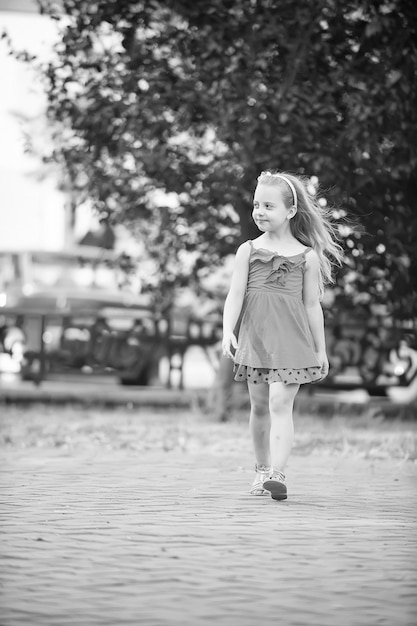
(260, 422)
(281, 403)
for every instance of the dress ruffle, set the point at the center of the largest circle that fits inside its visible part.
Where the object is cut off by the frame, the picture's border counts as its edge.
(284, 375)
(281, 265)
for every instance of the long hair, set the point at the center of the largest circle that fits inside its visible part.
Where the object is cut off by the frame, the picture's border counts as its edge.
(312, 224)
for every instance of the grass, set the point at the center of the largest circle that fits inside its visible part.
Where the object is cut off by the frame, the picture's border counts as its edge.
(74, 428)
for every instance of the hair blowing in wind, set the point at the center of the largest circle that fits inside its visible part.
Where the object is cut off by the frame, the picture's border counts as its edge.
(312, 224)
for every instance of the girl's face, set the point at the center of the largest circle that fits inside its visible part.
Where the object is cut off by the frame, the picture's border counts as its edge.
(269, 211)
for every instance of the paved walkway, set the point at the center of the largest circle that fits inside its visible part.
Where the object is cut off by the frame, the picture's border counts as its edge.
(172, 538)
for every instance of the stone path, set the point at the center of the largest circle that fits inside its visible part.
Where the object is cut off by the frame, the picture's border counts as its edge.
(153, 538)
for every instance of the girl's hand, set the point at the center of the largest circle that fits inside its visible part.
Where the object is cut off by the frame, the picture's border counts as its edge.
(229, 342)
(324, 362)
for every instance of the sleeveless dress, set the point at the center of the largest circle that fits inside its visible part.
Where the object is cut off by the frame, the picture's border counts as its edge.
(275, 343)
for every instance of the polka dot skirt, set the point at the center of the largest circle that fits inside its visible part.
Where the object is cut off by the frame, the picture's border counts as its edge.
(283, 375)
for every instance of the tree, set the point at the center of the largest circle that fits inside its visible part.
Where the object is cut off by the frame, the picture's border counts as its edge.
(193, 99)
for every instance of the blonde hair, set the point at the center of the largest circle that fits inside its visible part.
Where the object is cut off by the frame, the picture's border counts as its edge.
(312, 224)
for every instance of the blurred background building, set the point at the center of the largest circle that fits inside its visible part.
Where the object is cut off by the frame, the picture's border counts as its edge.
(32, 209)
(34, 212)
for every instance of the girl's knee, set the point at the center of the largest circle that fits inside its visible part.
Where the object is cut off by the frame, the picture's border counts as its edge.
(261, 417)
(259, 400)
(260, 408)
(282, 402)
(279, 405)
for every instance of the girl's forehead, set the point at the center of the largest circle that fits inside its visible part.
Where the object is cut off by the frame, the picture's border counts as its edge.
(268, 193)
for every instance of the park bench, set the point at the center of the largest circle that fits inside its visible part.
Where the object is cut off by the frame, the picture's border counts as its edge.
(366, 351)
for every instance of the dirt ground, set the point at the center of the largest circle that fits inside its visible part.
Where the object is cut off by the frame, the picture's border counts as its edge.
(140, 516)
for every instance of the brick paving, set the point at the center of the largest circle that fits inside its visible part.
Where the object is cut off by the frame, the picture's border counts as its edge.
(98, 536)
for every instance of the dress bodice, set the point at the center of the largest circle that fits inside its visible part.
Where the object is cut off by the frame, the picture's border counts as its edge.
(273, 272)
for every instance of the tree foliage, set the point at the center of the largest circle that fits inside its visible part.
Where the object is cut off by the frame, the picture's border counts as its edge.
(194, 99)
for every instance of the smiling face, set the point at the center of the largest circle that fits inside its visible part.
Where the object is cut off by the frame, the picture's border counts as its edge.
(270, 212)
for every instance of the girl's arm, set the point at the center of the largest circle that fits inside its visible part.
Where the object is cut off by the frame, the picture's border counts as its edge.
(313, 308)
(234, 299)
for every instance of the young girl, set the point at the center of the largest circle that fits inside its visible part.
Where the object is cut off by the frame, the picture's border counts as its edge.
(273, 305)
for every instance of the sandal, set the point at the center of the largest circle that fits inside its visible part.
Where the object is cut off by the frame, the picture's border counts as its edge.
(263, 472)
(276, 486)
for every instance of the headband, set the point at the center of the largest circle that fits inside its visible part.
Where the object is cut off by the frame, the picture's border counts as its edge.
(289, 183)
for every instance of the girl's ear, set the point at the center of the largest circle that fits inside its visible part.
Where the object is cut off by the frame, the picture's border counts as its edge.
(291, 212)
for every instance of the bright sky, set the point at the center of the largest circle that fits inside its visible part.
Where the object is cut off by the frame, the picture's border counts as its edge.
(31, 211)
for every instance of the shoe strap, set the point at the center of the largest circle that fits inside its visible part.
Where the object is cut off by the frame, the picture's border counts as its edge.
(262, 469)
(279, 476)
